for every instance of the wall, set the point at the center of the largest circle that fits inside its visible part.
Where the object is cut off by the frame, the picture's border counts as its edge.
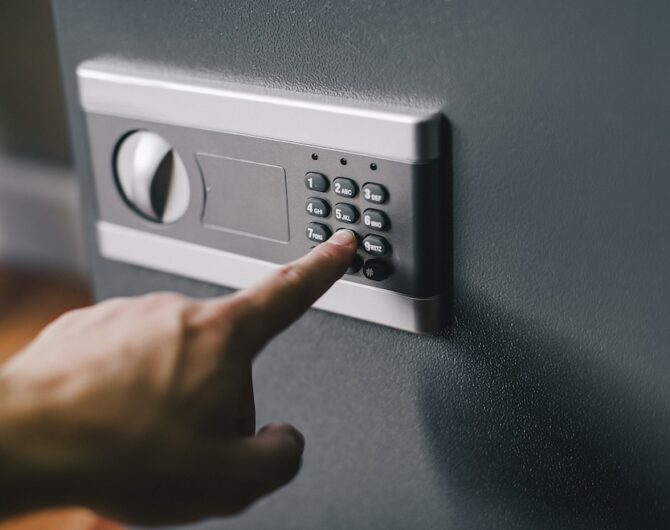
(32, 117)
(546, 403)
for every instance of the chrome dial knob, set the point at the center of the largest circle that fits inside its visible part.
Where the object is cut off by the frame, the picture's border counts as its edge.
(152, 177)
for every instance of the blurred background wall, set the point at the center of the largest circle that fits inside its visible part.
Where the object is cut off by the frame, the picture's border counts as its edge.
(39, 220)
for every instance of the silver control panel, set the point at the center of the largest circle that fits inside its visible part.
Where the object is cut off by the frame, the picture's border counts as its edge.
(224, 183)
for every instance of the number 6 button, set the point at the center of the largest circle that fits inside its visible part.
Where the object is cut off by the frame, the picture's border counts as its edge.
(376, 220)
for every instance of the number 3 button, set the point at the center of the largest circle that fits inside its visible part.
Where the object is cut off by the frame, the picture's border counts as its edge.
(375, 193)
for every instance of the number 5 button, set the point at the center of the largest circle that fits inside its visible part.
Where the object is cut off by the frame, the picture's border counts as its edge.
(376, 220)
(346, 213)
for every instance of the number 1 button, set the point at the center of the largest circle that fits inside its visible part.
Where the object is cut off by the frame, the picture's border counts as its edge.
(316, 181)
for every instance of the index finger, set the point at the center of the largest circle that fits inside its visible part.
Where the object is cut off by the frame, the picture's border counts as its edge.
(279, 300)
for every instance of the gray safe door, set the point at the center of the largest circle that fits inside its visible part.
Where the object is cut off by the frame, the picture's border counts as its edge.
(545, 403)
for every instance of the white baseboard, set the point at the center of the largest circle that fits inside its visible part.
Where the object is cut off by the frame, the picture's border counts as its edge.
(39, 215)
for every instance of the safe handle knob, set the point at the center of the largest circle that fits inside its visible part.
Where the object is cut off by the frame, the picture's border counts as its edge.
(152, 177)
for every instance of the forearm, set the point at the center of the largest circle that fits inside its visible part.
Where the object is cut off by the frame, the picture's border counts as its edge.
(29, 478)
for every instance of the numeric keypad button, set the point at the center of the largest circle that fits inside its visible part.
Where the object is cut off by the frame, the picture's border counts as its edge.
(377, 270)
(346, 213)
(345, 187)
(376, 220)
(376, 245)
(317, 207)
(355, 265)
(375, 193)
(317, 232)
(316, 182)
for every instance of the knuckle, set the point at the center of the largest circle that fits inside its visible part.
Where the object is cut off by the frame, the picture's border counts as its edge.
(292, 275)
(162, 299)
(329, 253)
(224, 321)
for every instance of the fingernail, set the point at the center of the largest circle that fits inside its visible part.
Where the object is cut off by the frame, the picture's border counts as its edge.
(284, 429)
(299, 439)
(343, 238)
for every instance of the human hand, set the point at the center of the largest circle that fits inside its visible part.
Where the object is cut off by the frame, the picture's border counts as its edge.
(142, 408)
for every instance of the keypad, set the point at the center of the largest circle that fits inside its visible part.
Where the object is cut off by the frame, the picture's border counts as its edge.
(345, 187)
(346, 214)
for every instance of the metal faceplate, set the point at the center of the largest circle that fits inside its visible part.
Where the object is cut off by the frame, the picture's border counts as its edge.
(245, 154)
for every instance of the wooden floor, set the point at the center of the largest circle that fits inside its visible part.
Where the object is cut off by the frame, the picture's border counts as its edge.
(29, 301)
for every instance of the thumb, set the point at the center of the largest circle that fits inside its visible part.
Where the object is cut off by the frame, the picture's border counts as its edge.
(269, 460)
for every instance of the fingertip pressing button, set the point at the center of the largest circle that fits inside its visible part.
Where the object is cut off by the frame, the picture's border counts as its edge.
(344, 237)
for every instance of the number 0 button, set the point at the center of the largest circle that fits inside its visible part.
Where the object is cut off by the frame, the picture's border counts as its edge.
(317, 232)
(316, 181)
(375, 193)
(377, 270)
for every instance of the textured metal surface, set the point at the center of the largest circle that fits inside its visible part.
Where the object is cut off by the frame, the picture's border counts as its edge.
(547, 403)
